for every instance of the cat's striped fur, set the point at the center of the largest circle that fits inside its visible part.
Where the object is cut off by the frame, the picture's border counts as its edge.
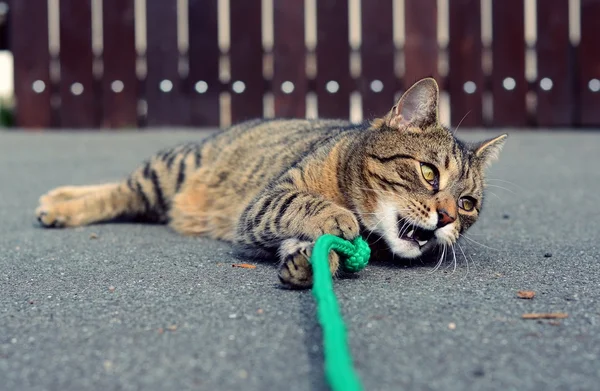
(277, 185)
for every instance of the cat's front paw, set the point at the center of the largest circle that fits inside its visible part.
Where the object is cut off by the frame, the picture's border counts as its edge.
(340, 223)
(295, 270)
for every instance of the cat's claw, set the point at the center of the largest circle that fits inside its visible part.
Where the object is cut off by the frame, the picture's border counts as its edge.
(48, 220)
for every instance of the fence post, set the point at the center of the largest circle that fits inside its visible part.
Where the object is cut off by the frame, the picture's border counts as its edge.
(377, 81)
(202, 84)
(246, 60)
(29, 44)
(465, 75)
(333, 60)
(508, 77)
(79, 103)
(289, 59)
(421, 46)
(119, 81)
(555, 71)
(167, 105)
(589, 64)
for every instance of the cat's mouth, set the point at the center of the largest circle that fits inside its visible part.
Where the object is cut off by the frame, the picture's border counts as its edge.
(413, 233)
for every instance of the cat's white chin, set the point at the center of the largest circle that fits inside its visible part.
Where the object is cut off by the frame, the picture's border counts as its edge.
(399, 236)
(406, 249)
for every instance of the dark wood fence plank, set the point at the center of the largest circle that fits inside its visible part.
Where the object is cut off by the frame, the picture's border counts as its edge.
(420, 47)
(289, 62)
(167, 105)
(31, 63)
(377, 82)
(119, 82)
(333, 59)
(246, 59)
(78, 94)
(509, 86)
(203, 85)
(554, 84)
(465, 80)
(589, 61)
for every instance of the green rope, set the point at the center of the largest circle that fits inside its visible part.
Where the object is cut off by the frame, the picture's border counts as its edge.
(354, 255)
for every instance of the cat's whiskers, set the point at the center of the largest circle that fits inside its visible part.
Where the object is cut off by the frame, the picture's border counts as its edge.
(455, 262)
(500, 187)
(437, 266)
(466, 260)
(373, 230)
(505, 181)
(460, 122)
(494, 194)
(476, 242)
(409, 222)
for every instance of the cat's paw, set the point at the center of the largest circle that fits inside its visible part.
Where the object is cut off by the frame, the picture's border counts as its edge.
(295, 270)
(340, 222)
(60, 215)
(49, 217)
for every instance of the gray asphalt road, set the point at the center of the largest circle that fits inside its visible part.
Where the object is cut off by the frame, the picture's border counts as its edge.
(181, 318)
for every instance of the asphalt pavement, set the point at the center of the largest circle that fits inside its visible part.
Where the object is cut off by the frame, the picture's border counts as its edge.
(137, 307)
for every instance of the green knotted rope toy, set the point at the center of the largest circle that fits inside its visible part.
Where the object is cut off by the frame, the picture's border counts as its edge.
(354, 256)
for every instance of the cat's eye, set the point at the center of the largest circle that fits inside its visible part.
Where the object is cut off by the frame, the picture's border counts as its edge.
(466, 203)
(429, 174)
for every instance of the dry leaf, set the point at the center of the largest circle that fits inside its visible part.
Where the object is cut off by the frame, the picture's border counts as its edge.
(244, 265)
(526, 294)
(550, 315)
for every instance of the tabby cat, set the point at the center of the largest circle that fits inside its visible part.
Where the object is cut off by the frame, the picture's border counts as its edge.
(277, 185)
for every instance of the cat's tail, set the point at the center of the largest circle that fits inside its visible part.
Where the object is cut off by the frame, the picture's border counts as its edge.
(146, 194)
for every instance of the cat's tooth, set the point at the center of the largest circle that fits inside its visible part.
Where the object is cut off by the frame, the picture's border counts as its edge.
(422, 242)
(410, 233)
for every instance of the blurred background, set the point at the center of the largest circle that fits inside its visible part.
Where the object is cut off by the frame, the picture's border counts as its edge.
(122, 64)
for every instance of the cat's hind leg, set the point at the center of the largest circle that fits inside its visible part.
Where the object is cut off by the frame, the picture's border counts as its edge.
(82, 205)
(147, 194)
(66, 193)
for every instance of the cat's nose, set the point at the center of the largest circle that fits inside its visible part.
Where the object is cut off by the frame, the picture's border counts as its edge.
(444, 218)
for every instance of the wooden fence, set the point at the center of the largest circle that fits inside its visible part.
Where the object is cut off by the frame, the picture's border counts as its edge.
(501, 80)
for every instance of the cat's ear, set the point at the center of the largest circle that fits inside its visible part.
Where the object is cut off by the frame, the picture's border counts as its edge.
(488, 150)
(418, 106)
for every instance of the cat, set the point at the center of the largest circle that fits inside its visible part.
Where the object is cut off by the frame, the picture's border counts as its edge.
(277, 185)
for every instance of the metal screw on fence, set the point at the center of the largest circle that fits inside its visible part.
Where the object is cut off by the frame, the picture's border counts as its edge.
(287, 87)
(470, 87)
(117, 86)
(546, 84)
(376, 86)
(509, 83)
(38, 86)
(238, 86)
(332, 86)
(201, 87)
(77, 89)
(594, 85)
(166, 85)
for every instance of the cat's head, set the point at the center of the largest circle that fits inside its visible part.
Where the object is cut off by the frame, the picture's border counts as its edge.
(421, 188)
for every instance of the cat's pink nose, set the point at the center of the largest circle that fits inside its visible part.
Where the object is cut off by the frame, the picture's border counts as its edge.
(444, 218)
